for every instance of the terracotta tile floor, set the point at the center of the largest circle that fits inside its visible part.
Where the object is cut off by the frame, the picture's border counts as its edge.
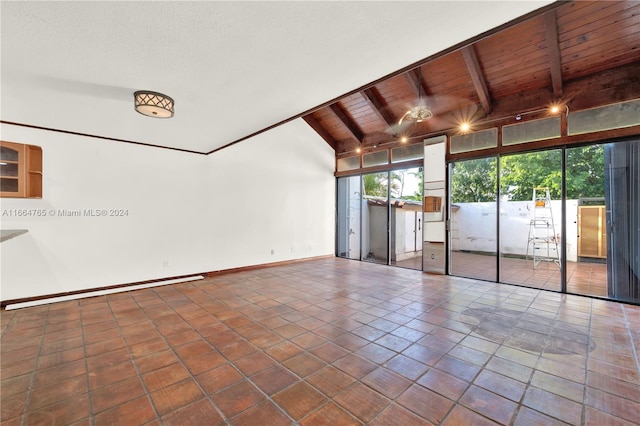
(582, 277)
(329, 341)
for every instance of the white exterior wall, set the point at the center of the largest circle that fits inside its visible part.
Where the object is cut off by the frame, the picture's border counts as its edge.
(473, 226)
(186, 213)
(376, 219)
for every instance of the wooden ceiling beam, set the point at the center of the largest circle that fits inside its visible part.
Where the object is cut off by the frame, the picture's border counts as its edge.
(619, 84)
(555, 66)
(378, 106)
(321, 131)
(350, 125)
(477, 77)
(417, 84)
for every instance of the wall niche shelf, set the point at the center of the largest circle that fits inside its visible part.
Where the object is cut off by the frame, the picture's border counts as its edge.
(20, 170)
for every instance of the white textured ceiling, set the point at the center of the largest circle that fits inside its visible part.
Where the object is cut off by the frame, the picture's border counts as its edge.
(233, 68)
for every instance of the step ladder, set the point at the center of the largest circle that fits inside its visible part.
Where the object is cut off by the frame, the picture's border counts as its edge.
(542, 239)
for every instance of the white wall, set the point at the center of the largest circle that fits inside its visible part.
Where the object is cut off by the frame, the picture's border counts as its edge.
(377, 233)
(273, 192)
(473, 226)
(187, 213)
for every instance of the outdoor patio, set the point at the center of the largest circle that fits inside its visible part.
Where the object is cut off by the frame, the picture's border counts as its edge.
(582, 277)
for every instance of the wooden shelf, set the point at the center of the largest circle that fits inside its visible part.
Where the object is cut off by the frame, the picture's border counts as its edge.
(20, 170)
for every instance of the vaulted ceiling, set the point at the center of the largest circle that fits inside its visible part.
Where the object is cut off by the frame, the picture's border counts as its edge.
(234, 68)
(350, 69)
(579, 54)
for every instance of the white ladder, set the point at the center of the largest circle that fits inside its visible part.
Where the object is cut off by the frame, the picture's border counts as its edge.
(542, 230)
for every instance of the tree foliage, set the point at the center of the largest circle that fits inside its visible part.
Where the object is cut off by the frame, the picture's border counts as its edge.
(585, 172)
(475, 180)
(375, 185)
(520, 173)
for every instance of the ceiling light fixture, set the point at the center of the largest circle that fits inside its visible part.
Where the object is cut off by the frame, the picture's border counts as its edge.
(153, 104)
(420, 112)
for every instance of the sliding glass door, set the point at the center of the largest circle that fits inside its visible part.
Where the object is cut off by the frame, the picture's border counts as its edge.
(473, 219)
(622, 198)
(531, 219)
(348, 217)
(379, 217)
(375, 217)
(589, 225)
(406, 218)
(586, 221)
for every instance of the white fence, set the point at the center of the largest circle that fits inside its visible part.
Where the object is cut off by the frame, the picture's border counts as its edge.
(473, 227)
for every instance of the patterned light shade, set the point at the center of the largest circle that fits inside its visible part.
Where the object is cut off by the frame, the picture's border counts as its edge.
(153, 104)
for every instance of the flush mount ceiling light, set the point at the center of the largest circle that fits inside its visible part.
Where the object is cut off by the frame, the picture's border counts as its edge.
(420, 112)
(153, 104)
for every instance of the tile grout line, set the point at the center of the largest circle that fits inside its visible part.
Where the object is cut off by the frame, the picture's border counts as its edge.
(132, 358)
(86, 367)
(181, 361)
(35, 369)
(267, 397)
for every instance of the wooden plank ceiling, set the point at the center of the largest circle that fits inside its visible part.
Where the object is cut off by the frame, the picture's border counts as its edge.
(580, 54)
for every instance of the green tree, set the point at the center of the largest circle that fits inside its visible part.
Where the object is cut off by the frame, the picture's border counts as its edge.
(375, 185)
(396, 183)
(585, 172)
(419, 176)
(474, 181)
(520, 173)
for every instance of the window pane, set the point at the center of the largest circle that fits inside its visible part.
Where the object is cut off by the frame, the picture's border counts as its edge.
(348, 163)
(8, 154)
(375, 218)
(9, 169)
(406, 153)
(375, 158)
(531, 131)
(8, 185)
(531, 219)
(586, 221)
(406, 217)
(474, 141)
(473, 246)
(604, 118)
(349, 202)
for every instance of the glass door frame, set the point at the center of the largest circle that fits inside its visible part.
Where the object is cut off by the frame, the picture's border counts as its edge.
(360, 175)
(387, 233)
(563, 246)
(449, 228)
(563, 235)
